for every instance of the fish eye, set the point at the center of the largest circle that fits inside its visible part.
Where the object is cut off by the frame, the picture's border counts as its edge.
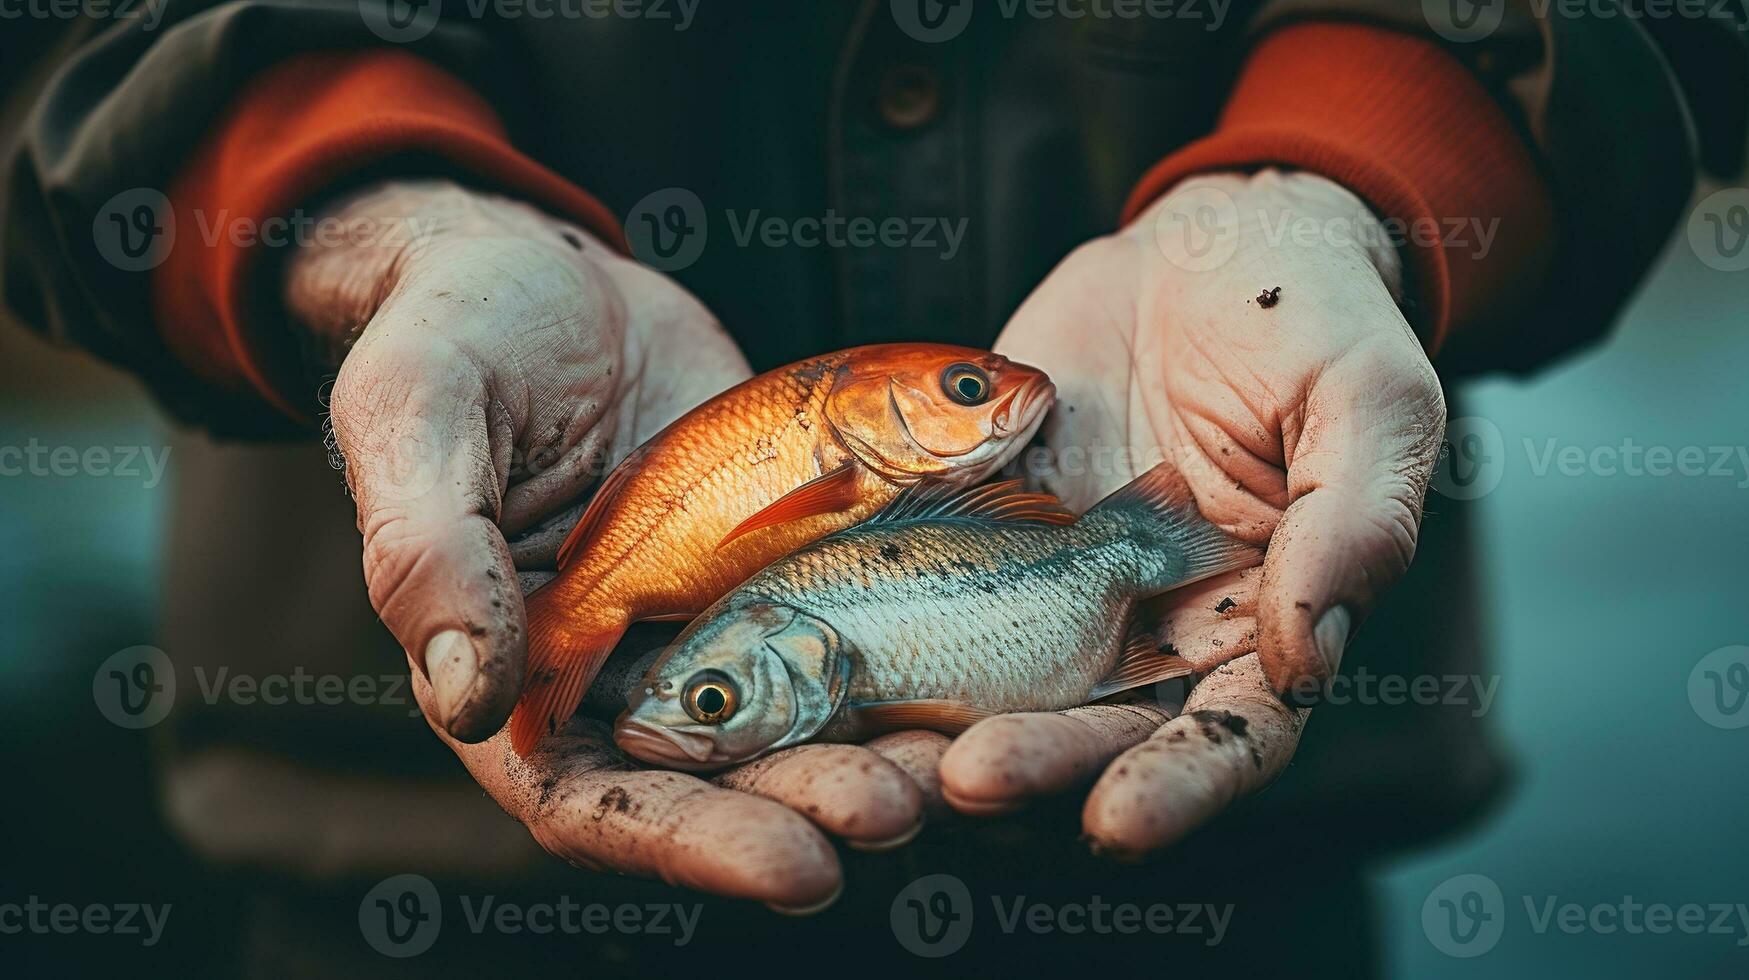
(710, 698)
(966, 384)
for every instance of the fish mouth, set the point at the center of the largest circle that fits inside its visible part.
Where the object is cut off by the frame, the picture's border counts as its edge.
(1025, 408)
(664, 746)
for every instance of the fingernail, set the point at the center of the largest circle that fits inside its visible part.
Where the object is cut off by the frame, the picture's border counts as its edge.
(891, 844)
(805, 910)
(452, 665)
(1331, 636)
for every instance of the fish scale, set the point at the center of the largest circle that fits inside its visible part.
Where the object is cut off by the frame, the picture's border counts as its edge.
(772, 464)
(1058, 596)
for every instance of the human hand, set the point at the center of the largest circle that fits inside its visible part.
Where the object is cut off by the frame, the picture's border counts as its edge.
(502, 360)
(1308, 420)
(493, 363)
(741, 834)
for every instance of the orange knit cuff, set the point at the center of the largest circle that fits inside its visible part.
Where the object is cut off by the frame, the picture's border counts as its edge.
(291, 133)
(1405, 126)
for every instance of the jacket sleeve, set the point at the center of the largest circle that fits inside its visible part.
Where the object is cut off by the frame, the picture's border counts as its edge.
(122, 116)
(1582, 134)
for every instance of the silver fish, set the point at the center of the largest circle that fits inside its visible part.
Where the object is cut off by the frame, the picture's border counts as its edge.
(944, 608)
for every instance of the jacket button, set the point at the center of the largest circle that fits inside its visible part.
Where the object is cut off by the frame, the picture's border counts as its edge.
(909, 96)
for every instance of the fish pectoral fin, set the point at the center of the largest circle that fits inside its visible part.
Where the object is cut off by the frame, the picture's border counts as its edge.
(827, 493)
(947, 717)
(1141, 663)
(590, 522)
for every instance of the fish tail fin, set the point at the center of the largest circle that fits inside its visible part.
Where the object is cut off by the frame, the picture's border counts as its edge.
(567, 644)
(1159, 507)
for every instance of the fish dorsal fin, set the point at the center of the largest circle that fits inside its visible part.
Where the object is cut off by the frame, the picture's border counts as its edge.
(1141, 663)
(590, 522)
(1160, 504)
(947, 717)
(1005, 501)
(828, 493)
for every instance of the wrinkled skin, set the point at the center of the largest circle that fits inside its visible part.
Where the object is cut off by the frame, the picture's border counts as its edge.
(1311, 424)
(497, 370)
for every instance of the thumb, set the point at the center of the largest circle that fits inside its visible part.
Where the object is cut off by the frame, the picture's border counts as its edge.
(411, 416)
(1357, 479)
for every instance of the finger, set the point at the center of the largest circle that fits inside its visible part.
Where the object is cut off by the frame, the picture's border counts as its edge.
(553, 476)
(1234, 738)
(847, 790)
(580, 801)
(918, 755)
(1001, 763)
(409, 415)
(1357, 474)
(537, 549)
(1210, 622)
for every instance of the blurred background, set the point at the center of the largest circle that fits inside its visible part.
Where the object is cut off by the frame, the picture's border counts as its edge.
(1607, 590)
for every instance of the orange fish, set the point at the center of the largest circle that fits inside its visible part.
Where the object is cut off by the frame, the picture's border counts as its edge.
(772, 464)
